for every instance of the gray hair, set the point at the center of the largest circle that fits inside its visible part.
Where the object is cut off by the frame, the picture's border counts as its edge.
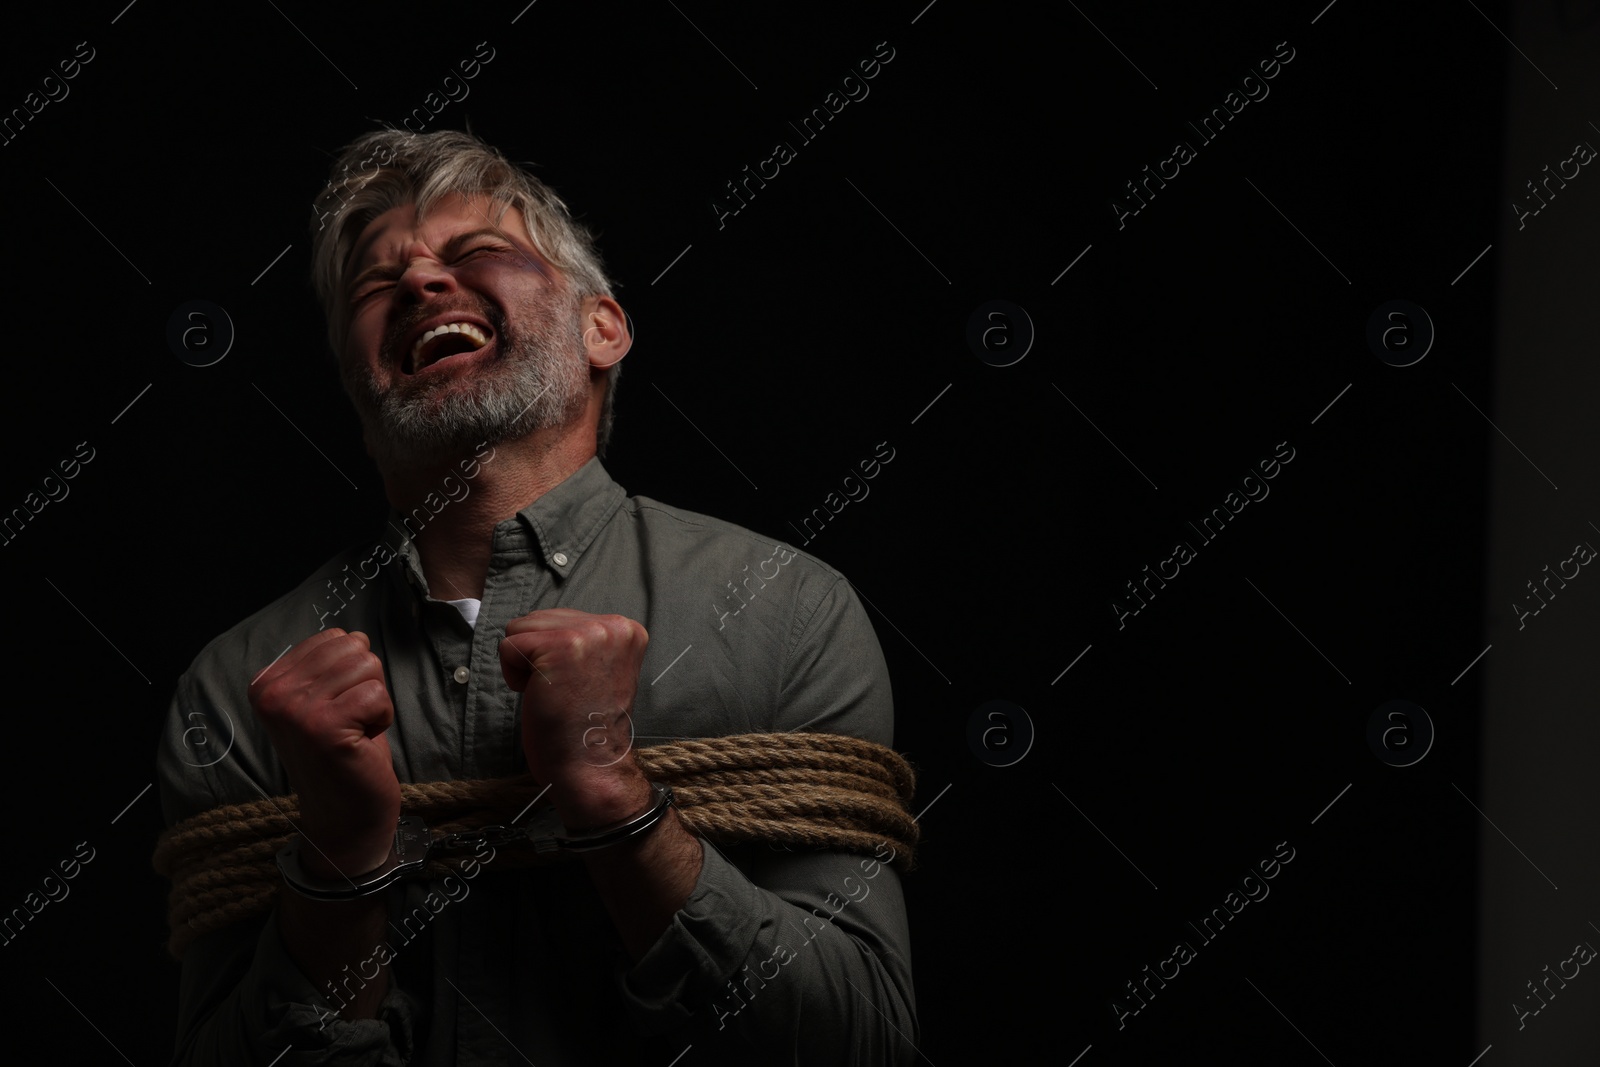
(389, 168)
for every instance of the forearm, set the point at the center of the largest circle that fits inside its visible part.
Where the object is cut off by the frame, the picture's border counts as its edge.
(815, 969)
(217, 1028)
(642, 882)
(334, 943)
(303, 986)
(856, 999)
(244, 1001)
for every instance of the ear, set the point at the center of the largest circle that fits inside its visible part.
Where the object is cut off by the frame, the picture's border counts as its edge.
(605, 332)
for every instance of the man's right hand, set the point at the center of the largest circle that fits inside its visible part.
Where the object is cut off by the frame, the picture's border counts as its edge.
(325, 708)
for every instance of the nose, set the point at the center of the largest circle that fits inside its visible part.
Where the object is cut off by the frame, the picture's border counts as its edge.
(424, 278)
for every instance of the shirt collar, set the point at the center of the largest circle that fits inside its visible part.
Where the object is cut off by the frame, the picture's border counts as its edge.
(568, 518)
(564, 522)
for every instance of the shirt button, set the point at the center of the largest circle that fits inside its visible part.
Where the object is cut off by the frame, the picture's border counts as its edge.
(462, 674)
(560, 559)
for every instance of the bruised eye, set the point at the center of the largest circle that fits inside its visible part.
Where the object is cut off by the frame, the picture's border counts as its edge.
(369, 290)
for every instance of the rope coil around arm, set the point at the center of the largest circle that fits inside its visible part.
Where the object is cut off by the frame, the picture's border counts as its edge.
(803, 791)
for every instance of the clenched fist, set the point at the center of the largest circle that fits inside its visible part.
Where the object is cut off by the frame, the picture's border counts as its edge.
(325, 708)
(578, 674)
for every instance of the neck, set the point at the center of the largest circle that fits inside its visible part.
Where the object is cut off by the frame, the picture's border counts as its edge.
(458, 502)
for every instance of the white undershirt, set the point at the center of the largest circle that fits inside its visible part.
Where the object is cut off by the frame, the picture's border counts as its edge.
(469, 609)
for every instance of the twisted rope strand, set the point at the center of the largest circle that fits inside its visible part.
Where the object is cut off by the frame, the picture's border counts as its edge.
(809, 791)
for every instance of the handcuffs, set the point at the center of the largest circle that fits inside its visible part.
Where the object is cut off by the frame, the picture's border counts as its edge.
(414, 846)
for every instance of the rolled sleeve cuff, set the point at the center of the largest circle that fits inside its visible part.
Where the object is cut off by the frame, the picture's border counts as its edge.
(299, 1019)
(711, 936)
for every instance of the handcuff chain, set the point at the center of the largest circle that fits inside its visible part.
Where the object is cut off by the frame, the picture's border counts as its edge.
(414, 846)
(495, 836)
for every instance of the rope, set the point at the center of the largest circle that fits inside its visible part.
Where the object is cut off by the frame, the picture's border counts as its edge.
(801, 791)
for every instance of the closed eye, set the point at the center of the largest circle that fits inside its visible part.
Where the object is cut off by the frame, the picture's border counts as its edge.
(372, 288)
(481, 248)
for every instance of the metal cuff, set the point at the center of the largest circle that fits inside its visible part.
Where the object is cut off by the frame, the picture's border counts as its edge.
(413, 846)
(637, 826)
(408, 854)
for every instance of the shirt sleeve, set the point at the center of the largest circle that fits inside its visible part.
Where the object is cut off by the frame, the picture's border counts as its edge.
(794, 957)
(242, 999)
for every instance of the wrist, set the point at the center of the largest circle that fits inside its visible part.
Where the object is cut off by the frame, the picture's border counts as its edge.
(601, 797)
(344, 836)
(329, 855)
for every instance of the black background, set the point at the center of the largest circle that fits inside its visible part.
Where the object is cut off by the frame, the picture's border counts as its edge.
(822, 319)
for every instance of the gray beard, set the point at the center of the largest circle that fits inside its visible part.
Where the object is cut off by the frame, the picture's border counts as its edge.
(539, 380)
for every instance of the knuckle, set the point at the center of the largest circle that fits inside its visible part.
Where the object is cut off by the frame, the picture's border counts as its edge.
(370, 691)
(267, 699)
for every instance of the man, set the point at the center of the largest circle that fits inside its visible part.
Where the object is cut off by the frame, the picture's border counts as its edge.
(503, 625)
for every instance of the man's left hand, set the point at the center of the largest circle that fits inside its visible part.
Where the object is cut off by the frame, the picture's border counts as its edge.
(578, 674)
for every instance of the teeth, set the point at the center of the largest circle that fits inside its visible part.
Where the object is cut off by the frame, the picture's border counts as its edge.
(471, 331)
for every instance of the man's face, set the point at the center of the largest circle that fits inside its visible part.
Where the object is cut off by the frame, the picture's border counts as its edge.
(459, 332)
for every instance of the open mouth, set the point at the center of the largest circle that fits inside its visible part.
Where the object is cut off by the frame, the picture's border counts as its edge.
(444, 342)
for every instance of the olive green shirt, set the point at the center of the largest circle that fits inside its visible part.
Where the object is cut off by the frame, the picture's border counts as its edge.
(777, 957)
